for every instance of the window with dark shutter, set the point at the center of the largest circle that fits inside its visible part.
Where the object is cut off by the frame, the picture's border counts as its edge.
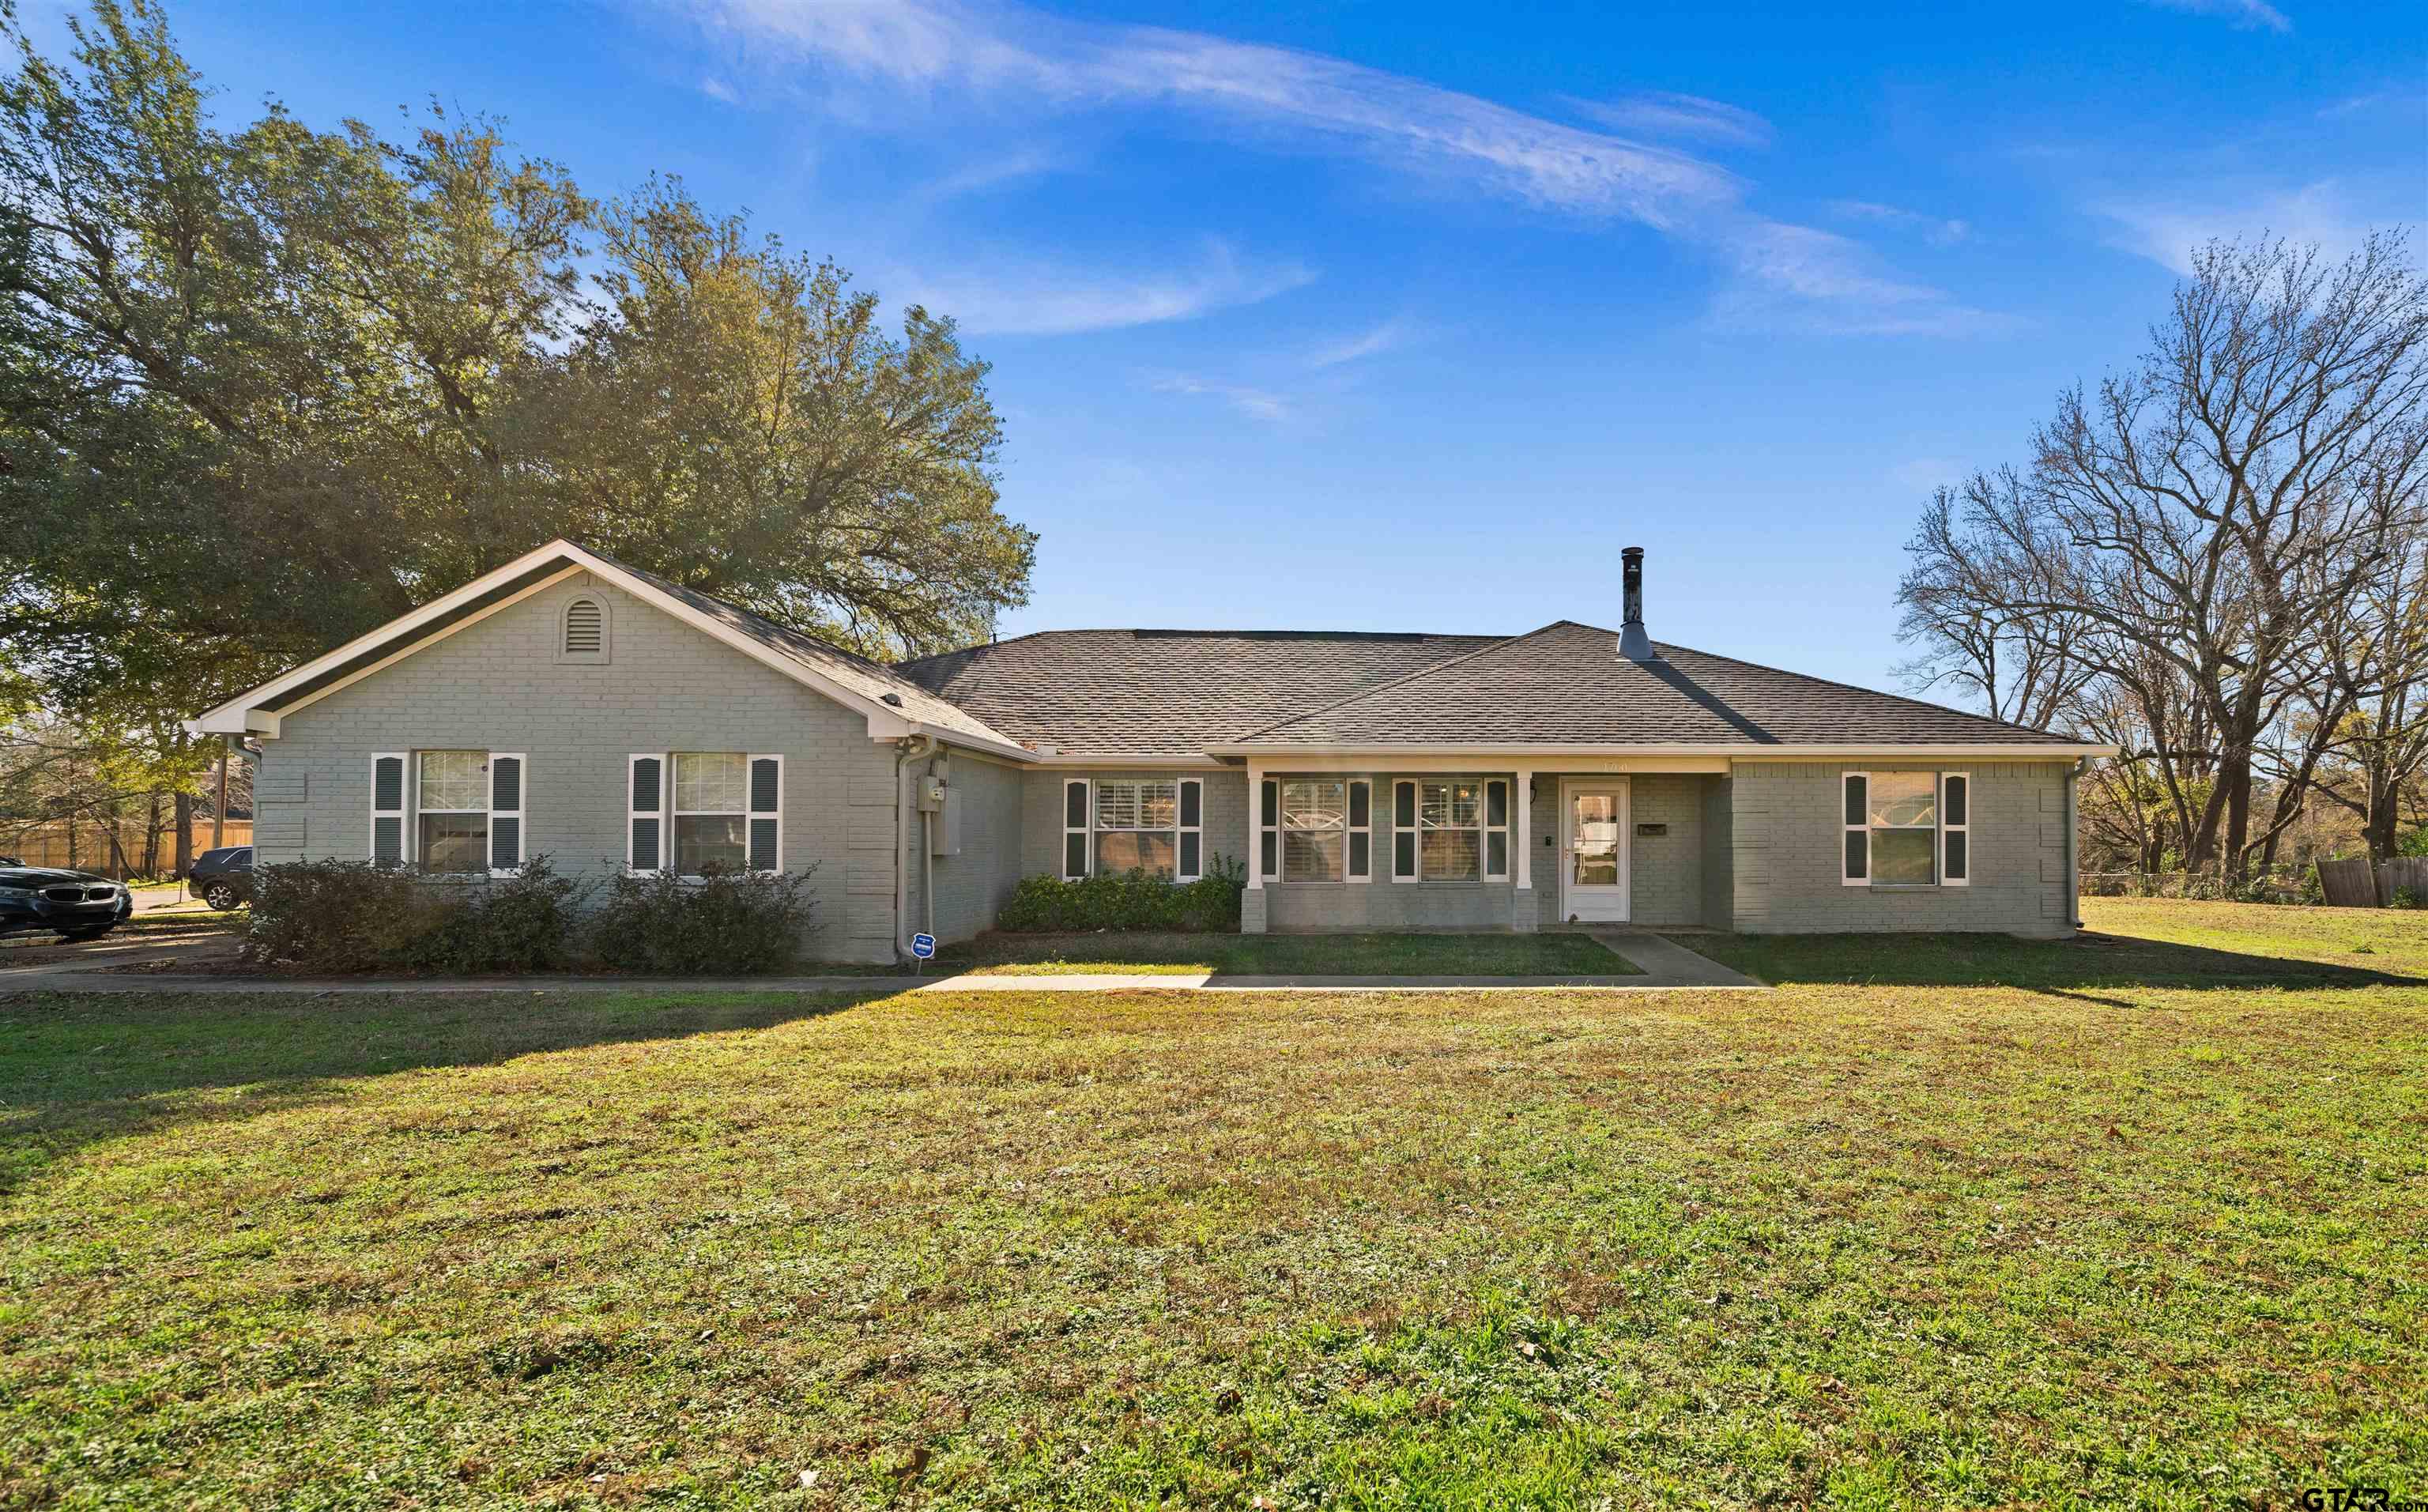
(643, 849)
(766, 813)
(1361, 831)
(1404, 832)
(1192, 832)
(1075, 828)
(505, 811)
(388, 808)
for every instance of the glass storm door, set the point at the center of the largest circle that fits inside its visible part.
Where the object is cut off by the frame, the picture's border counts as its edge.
(1593, 851)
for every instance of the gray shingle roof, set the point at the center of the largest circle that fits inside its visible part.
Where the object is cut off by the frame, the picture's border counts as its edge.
(1167, 693)
(1567, 685)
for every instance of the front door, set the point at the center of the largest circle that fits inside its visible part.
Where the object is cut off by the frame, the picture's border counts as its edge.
(1593, 850)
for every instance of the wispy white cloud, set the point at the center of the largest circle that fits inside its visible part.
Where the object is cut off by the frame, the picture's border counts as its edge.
(1395, 332)
(1823, 283)
(1659, 114)
(1939, 232)
(2243, 15)
(940, 44)
(1256, 403)
(1001, 54)
(2169, 230)
(716, 88)
(1045, 298)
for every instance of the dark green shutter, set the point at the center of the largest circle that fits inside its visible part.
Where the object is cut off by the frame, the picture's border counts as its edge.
(505, 812)
(766, 804)
(387, 810)
(647, 778)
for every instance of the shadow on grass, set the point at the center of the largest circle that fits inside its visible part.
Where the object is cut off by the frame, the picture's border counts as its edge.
(77, 1069)
(2088, 960)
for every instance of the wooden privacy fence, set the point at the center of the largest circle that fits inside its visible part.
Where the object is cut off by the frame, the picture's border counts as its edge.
(2359, 884)
(89, 846)
(2349, 884)
(2403, 874)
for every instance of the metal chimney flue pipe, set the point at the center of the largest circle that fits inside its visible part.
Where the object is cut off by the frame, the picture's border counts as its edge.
(1634, 643)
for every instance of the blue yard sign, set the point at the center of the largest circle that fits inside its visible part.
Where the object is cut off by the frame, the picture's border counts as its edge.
(924, 947)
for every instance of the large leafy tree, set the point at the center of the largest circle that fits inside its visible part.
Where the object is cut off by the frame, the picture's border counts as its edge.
(738, 419)
(262, 389)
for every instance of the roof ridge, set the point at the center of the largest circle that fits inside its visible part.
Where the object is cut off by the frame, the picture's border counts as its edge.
(1170, 629)
(1409, 677)
(1856, 687)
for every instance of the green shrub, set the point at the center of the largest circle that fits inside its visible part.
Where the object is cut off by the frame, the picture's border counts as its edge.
(352, 915)
(2405, 898)
(526, 922)
(1130, 900)
(722, 924)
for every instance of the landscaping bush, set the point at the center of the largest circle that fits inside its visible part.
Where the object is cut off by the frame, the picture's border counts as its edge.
(1130, 900)
(354, 915)
(724, 923)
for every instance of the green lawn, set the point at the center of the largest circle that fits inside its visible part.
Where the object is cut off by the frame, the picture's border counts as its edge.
(2083, 1243)
(2125, 942)
(1290, 955)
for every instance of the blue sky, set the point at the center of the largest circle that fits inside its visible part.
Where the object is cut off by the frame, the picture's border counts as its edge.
(1408, 316)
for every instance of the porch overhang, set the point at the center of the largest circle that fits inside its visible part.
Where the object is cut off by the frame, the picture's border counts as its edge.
(1623, 759)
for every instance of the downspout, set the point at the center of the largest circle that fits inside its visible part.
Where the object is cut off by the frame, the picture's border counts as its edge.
(2073, 847)
(912, 750)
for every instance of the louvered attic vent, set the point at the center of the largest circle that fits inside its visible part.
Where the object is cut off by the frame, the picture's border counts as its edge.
(586, 632)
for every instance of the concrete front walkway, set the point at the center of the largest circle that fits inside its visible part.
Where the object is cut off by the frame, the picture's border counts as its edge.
(1668, 966)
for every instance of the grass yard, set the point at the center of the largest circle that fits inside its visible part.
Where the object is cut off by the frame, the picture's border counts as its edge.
(2080, 1243)
(2125, 942)
(1290, 955)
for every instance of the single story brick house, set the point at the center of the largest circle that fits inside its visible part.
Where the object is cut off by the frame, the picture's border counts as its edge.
(569, 704)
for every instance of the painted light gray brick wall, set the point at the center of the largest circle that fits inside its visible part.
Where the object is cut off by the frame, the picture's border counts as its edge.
(1666, 872)
(496, 685)
(972, 887)
(1788, 819)
(1719, 856)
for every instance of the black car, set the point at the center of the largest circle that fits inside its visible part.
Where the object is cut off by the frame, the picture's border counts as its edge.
(222, 877)
(77, 904)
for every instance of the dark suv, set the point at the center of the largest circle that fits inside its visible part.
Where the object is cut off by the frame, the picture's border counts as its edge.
(222, 877)
(77, 904)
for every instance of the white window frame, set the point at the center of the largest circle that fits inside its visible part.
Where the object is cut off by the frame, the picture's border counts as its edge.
(401, 814)
(666, 805)
(1085, 830)
(1096, 825)
(1946, 828)
(1938, 826)
(1414, 828)
(1482, 814)
(753, 814)
(415, 812)
(1351, 829)
(1183, 829)
(1281, 845)
(523, 805)
(667, 801)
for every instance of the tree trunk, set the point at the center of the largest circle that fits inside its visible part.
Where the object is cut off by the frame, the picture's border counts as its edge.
(182, 810)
